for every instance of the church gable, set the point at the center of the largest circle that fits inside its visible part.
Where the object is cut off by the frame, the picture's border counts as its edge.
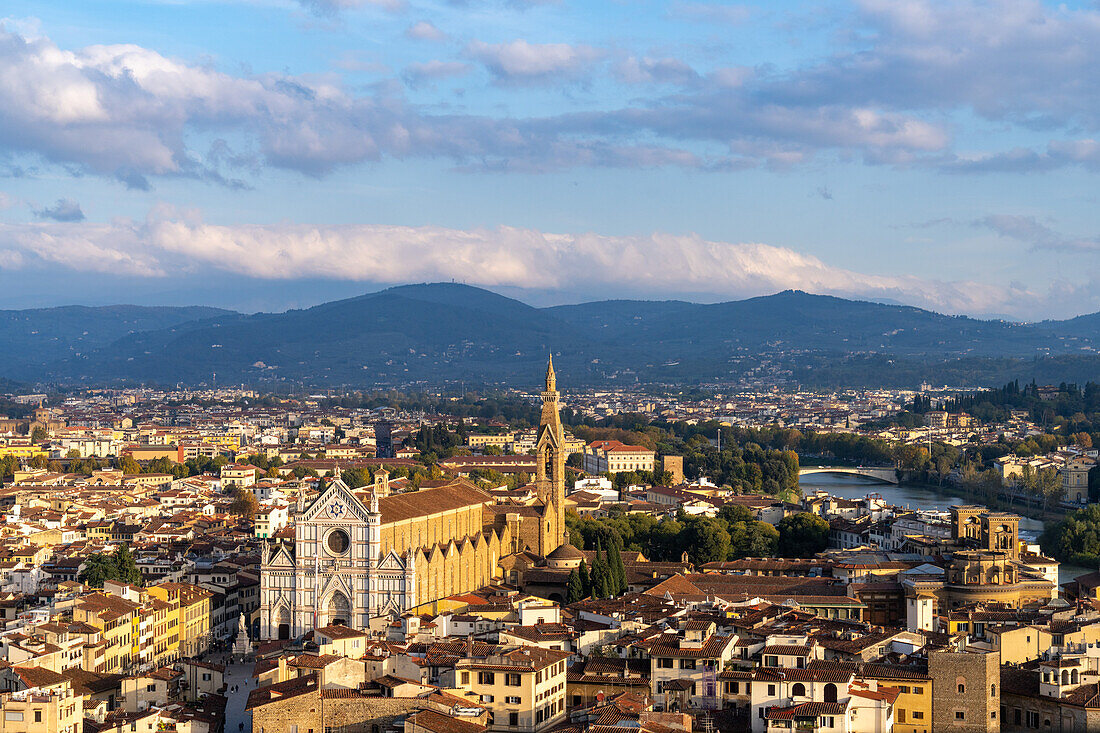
(281, 558)
(392, 562)
(333, 583)
(336, 502)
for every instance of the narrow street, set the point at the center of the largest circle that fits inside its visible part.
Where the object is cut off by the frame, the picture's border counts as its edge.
(239, 675)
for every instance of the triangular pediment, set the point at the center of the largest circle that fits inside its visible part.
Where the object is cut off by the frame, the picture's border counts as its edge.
(334, 583)
(281, 558)
(336, 503)
(392, 562)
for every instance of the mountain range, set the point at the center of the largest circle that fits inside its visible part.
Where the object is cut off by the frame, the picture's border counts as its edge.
(432, 334)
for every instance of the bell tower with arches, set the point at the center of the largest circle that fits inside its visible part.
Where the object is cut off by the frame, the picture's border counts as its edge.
(550, 470)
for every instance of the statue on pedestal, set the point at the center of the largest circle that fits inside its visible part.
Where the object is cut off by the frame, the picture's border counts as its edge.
(242, 647)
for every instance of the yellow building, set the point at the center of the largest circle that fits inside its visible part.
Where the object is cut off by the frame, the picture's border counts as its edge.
(193, 612)
(117, 620)
(523, 688)
(24, 452)
(167, 635)
(56, 709)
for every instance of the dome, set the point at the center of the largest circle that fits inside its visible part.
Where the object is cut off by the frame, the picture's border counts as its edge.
(566, 556)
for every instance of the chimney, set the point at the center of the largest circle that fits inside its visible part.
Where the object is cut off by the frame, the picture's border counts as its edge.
(470, 645)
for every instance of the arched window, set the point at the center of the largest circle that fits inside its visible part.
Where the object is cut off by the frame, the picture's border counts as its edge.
(1074, 678)
(962, 689)
(1065, 676)
(993, 690)
(830, 692)
(798, 690)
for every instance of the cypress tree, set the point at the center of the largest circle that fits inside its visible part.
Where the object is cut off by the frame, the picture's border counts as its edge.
(617, 570)
(601, 585)
(586, 580)
(574, 589)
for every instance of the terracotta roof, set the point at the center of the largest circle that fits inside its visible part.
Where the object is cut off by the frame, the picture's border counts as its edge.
(281, 691)
(399, 507)
(806, 709)
(40, 677)
(802, 675)
(438, 723)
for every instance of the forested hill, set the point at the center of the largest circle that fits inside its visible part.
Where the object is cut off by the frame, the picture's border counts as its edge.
(449, 333)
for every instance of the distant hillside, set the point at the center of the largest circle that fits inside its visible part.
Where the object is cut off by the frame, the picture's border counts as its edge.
(445, 332)
(37, 337)
(404, 334)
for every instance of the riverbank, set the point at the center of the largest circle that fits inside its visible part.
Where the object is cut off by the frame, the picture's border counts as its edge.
(925, 496)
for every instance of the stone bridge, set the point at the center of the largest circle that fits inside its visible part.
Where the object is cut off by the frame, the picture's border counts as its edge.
(886, 475)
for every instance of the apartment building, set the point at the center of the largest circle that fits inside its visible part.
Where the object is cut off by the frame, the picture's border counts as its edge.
(612, 456)
(523, 688)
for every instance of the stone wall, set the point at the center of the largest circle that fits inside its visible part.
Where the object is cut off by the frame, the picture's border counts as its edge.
(967, 695)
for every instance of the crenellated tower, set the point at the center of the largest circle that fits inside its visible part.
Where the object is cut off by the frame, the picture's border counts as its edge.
(550, 472)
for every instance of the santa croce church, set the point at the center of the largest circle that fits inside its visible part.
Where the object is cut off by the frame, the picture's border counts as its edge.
(366, 554)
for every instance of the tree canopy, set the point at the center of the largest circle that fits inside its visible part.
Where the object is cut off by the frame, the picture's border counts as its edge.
(802, 535)
(120, 566)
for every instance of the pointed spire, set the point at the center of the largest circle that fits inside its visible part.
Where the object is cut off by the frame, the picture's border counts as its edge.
(551, 378)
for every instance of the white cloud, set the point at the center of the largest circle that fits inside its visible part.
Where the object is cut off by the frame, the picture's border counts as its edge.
(1031, 231)
(64, 210)
(650, 266)
(418, 73)
(425, 30)
(520, 62)
(646, 70)
(130, 113)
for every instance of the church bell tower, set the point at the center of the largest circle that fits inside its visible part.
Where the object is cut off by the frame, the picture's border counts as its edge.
(550, 473)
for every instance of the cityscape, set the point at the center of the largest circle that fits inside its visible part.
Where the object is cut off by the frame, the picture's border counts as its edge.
(549, 366)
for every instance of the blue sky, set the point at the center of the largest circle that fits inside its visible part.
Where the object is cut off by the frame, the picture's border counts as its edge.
(266, 154)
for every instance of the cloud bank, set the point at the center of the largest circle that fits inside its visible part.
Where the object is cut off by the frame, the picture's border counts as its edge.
(169, 242)
(887, 95)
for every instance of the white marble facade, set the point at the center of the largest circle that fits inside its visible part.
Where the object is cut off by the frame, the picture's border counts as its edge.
(336, 572)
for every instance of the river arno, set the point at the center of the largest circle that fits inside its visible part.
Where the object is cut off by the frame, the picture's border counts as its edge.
(916, 497)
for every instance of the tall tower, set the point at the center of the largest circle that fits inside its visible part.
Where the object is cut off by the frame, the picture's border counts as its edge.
(550, 473)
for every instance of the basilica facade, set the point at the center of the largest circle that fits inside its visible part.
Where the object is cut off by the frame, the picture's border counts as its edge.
(366, 554)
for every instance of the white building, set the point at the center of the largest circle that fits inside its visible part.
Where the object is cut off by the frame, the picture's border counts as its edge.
(612, 456)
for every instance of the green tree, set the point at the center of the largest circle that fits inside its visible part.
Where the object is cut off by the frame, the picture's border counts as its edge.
(802, 535)
(356, 477)
(1048, 484)
(126, 570)
(617, 575)
(574, 587)
(8, 466)
(601, 575)
(763, 540)
(706, 540)
(586, 580)
(39, 434)
(129, 466)
(97, 569)
(1076, 539)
